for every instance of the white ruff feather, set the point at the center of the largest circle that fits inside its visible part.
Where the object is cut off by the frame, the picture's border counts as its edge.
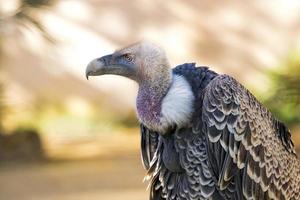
(177, 105)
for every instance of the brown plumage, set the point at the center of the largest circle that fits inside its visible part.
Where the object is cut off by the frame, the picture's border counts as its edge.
(203, 135)
(255, 146)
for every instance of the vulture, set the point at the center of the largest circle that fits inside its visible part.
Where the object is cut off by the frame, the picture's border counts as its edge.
(203, 134)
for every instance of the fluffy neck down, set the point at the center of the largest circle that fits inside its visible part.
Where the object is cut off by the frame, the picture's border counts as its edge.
(159, 113)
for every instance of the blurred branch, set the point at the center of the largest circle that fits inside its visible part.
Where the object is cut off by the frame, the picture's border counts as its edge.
(37, 3)
(24, 15)
(26, 19)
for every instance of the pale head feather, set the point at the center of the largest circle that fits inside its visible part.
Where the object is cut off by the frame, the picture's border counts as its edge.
(150, 59)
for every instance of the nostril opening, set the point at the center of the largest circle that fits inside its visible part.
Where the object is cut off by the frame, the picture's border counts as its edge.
(105, 59)
(100, 59)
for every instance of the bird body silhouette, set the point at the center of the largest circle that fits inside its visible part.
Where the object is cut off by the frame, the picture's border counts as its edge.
(203, 135)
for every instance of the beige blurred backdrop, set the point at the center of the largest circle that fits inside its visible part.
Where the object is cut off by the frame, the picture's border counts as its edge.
(86, 132)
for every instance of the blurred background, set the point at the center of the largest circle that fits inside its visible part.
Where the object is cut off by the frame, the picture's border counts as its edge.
(65, 138)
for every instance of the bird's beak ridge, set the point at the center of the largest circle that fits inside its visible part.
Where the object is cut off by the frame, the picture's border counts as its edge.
(98, 66)
(107, 65)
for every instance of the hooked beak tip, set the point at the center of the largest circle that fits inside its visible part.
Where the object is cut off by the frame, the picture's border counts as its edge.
(90, 69)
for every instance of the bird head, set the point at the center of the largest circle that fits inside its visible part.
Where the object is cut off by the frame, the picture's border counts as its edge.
(142, 62)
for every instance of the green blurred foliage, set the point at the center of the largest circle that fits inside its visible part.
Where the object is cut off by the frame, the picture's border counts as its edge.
(23, 16)
(2, 106)
(56, 117)
(284, 98)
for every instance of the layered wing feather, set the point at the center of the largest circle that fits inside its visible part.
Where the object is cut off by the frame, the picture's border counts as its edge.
(250, 152)
(194, 181)
(149, 144)
(151, 153)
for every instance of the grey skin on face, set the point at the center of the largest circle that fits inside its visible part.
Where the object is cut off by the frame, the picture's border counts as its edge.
(112, 64)
(146, 64)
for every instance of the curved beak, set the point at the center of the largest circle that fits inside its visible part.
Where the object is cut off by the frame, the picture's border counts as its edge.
(107, 65)
(98, 66)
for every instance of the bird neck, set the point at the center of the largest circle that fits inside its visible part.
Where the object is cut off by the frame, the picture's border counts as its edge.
(166, 105)
(149, 100)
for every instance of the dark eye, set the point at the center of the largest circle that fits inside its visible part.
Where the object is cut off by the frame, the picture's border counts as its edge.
(128, 57)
